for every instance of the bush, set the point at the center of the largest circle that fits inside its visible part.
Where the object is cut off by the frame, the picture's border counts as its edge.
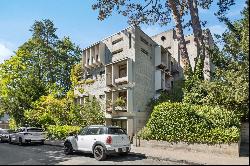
(61, 132)
(177, 122)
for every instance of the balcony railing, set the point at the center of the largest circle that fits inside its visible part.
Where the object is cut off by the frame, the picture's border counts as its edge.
(121, 80)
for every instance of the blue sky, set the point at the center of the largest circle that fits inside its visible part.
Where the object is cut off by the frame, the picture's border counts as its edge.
(76, 19)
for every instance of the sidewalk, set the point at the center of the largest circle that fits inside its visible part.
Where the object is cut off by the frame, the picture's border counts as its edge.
(190, 157)
(179, 155)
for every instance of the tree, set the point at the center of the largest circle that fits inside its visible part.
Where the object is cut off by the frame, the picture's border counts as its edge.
(41, 66)
(230, 85)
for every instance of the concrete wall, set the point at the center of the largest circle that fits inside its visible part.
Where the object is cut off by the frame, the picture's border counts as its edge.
(144, 76)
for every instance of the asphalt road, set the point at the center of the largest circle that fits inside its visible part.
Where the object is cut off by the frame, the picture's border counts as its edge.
(51, 155)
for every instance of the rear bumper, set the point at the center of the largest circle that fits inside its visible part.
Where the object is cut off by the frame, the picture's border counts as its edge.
(113, 150)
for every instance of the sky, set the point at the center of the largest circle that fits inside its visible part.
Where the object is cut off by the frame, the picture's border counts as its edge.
(76, 19)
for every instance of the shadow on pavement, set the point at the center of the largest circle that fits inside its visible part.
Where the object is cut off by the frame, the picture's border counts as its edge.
(114, 157)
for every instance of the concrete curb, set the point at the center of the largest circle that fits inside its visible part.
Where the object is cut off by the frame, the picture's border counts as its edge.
(54, 143)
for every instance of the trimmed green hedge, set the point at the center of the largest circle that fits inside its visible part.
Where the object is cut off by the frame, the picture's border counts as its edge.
(178, 122)
(61, 132)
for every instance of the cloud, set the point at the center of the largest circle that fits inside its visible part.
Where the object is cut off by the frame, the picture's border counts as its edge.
(5, 52)
(152, 30)
(217, 29)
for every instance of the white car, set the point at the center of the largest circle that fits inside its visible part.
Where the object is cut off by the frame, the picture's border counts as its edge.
(27, 135)
(99, 140)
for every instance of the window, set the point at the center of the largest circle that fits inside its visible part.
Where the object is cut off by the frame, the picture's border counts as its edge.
(116, 131)
(97, 57)
(129, 40)
(144, 41)
(144, 51)
(117, 41)
(88, 61)
(93, 131)
(117, 51)
(83, 131)
(188, 41)
(172, 84)
(122, 71)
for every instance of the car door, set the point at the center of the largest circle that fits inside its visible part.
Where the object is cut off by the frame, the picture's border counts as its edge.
(90, 138)
(80, 139)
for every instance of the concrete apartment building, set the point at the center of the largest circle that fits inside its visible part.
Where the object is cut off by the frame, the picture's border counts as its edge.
(126, 70)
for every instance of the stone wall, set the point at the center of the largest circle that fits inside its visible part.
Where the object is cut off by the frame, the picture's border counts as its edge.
(231, 149)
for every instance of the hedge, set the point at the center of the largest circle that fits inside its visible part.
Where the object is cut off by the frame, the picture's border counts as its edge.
(178, 122)
(61, 132)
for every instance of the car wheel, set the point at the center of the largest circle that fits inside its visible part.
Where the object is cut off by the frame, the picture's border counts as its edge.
(99, 153)
(68, 148)
(20, 141)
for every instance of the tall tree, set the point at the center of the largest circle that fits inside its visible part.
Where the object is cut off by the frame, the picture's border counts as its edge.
(41, 66)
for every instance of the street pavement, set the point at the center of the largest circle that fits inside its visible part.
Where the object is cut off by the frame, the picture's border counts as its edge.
(52, 155)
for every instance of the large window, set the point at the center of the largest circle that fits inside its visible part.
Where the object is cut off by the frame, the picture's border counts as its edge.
(117, 41)
(122, 71)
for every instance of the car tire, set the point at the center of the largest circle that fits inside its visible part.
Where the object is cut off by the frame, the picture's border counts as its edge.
(99, 153)
(68, 149)
(20, 141)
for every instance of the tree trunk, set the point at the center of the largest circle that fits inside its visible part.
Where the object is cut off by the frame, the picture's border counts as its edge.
(185, 63)
(198, 36)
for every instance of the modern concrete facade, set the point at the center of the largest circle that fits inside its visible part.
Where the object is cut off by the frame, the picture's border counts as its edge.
(125, 71)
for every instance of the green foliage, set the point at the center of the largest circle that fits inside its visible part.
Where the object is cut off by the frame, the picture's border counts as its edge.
(41, 66)
(175, 122)
(120, 101)
(49, 110)
(76, 75)
(173, 95)
(61, 132)
(229, 87)
(89, 81)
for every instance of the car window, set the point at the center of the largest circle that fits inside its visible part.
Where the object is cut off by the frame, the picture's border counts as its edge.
(83, 131)
(101, 131)
(3, 131)
(116, 131)
(34, 130)
(93, 131)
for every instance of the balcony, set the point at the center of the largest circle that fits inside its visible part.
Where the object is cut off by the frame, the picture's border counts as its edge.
(94, 55)
(116, 102)
(122, 80)
(119, 73)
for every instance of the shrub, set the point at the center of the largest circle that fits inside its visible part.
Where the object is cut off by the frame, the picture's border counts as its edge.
(61, 132)
(120, 102)
(175, 122)
(89, 81)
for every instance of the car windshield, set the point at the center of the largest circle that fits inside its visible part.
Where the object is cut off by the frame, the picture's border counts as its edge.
(34, 130)
(3, 131)
(116, 131)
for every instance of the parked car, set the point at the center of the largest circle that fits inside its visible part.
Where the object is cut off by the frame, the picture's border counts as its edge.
(99, 140)
(4, 135)
(27, 135)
